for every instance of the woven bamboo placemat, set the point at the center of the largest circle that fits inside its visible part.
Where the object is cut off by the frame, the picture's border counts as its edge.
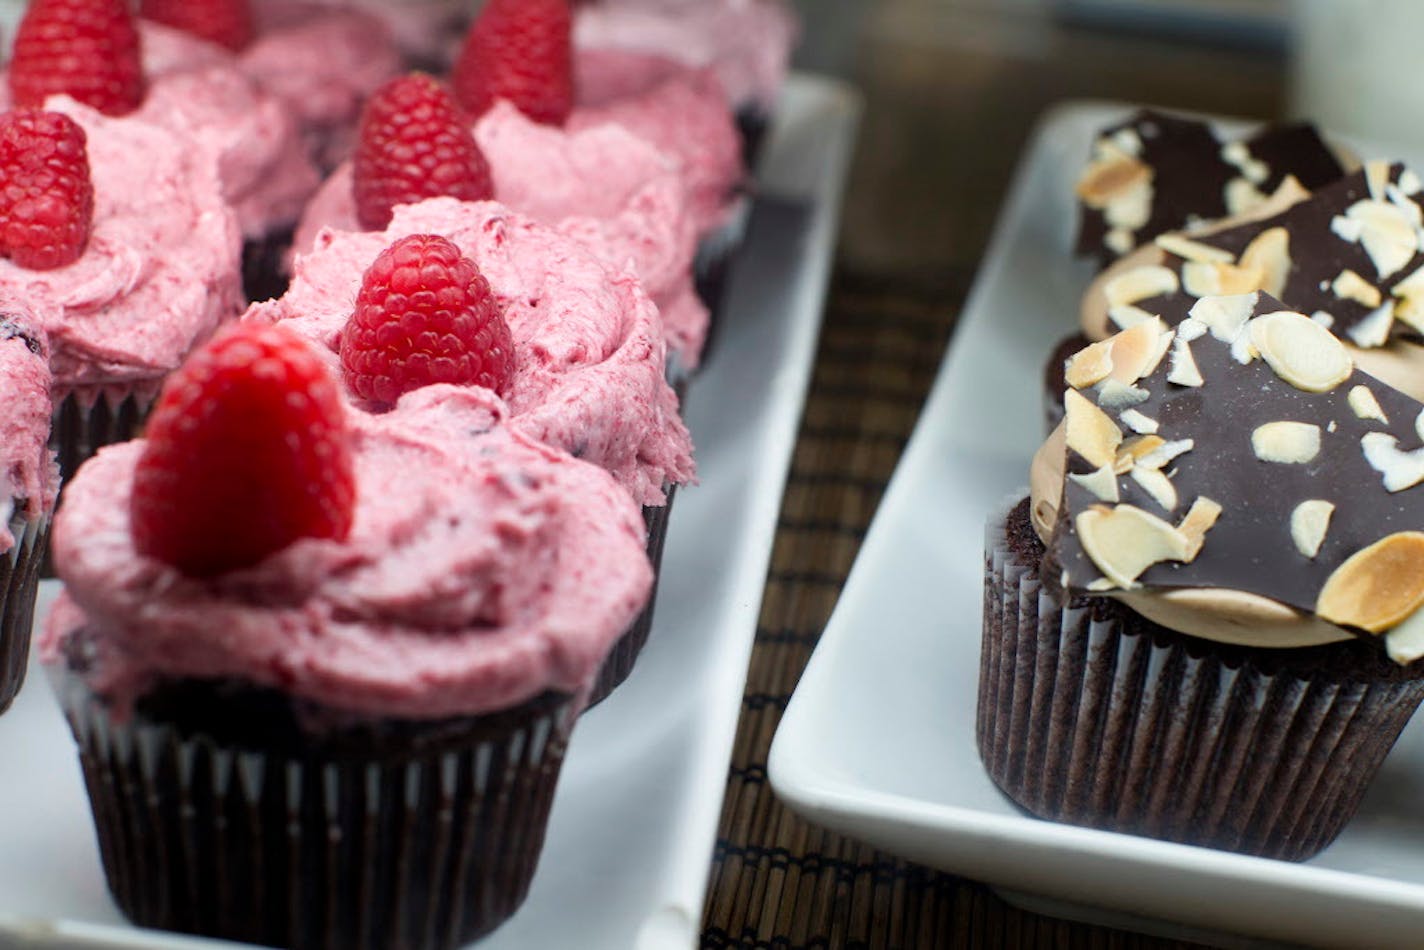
(778, 881)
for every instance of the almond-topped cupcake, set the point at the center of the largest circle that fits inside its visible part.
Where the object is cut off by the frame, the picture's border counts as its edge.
(1204, 624)
(29, 481)
(368, 635)
(130, 259)
(615, 193)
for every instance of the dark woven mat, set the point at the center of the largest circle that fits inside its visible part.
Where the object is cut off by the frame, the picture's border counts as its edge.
(778, 881)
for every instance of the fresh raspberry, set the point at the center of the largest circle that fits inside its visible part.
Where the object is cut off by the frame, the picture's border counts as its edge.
(414, 144)
(88, 49)
(225, 22)
(424, 315)
(520, 50)
(47, 200)
(247, 452)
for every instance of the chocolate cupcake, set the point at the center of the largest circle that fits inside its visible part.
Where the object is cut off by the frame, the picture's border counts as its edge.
(1170, 647)
(342, 726)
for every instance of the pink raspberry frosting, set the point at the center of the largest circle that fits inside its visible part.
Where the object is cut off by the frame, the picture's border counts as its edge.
(161, 269)
(747, 42)
(589, 352)
(610, 190)
(27, 468)
(482, 570)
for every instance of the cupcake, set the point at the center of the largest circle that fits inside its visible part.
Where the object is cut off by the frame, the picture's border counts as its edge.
(1169, 649)
(150, 270)
(639, 42)
(604, 186)
(31, 478)
(1154, 173)
(586, 375)
(352, 704)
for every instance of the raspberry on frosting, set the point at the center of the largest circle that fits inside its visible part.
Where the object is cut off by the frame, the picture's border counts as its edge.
(425, 315)
(521, 51)
(47, 205)
(225, 22)
(87, 49)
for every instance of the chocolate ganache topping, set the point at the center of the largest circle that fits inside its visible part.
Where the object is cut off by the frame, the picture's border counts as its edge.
(1156, 173)
(1240, 462)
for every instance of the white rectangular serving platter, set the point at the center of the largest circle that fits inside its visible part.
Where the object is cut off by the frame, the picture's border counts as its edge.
(630, 840)
(878, 741)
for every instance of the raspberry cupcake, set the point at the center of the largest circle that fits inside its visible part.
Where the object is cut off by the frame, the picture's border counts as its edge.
(583, 370)
(141, 266)
(606, 187)
(355, 704)
(31, 481)
(1168, 649)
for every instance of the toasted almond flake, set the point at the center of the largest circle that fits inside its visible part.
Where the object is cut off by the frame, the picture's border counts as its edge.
(1115, 396)
(1119, 241)
(1157, 485)
(1214, 280)
(1224, 316)
(1269, 253)
(1310, 521)
(1130, 210)
(1373, 330)
(1128, 141)
(1419, 424)
(1102, 483)
(1386, 233)
(1164, 343)
(1405, 643)
(1125, 541)
(1351, 286)
(1127, 316)
(1401, 470)
(1300, 351)
(1377, 178)
(1347, 229)
(1101, 585)
(1401, 201)
(1242, 197)
(1189, 250)
(1133, 350)
(1090, 431)
(1160, 456)
(1409, 182)
(1200, 519)
(1286, 443)
(1111, 177)
(1324, 319)
(1133, 449)
(1139, 423)
(1090, 366)
(1377, 588)
(1191, 329)
(1140, 283)
(1365, 406)
(1184, 365)
(1409, 302)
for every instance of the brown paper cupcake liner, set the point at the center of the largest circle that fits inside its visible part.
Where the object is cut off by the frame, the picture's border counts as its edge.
(625, 652)
(404, 834)
(264, 266)
(712, 268)
(753, 123)
(86, 422)
(1150, 732)
(19, 582)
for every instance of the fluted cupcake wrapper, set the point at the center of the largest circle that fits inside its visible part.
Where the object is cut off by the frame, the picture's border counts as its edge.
(712, 267)
(86, 422)
(327, 851)
(19, 582)
(1081, 722)
(621, 659)
(264, 267)
(753, 123)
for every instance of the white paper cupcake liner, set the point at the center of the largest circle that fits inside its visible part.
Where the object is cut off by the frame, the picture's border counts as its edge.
(1169, 736)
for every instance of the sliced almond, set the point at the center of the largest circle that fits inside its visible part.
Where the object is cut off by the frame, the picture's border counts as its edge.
(1102, 483)
(1373, 331)
(1184, 365)
(1252, 169)
(1409, 300)
(1419, 425)
(1111, 178)
(1301, 351)
(1139, 423)
(1140, 283)
(1351, 286)
(1090, 366)
(1365, 406)
(1125, 541)
(1137, 350)
(1090, 431)
(1119, 240)
(1269, 253)
(1200, 519)
(1324, 319)
(1133, 449)
(1401, 470)
(1347, 229)
(1378, 587)
(1126, 316)
(1286, 443)
(1213, 280)
(1409, 182)
(1189, 250)
(1387, 235)
(1224, 316)
(1242, 197)
(1377, 178)
(1310, 522)
(1157, 485)
(1163, 454)
(1405, 643)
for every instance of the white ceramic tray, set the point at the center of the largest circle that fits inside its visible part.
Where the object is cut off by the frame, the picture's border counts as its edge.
(878, 741)
(635, 818)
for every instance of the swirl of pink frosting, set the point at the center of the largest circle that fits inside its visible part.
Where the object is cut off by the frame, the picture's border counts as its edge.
(27, 467)
(161, 269)
(482, 570)
(747, 42)
(613, 192)
(589, 353)
(684, 115)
